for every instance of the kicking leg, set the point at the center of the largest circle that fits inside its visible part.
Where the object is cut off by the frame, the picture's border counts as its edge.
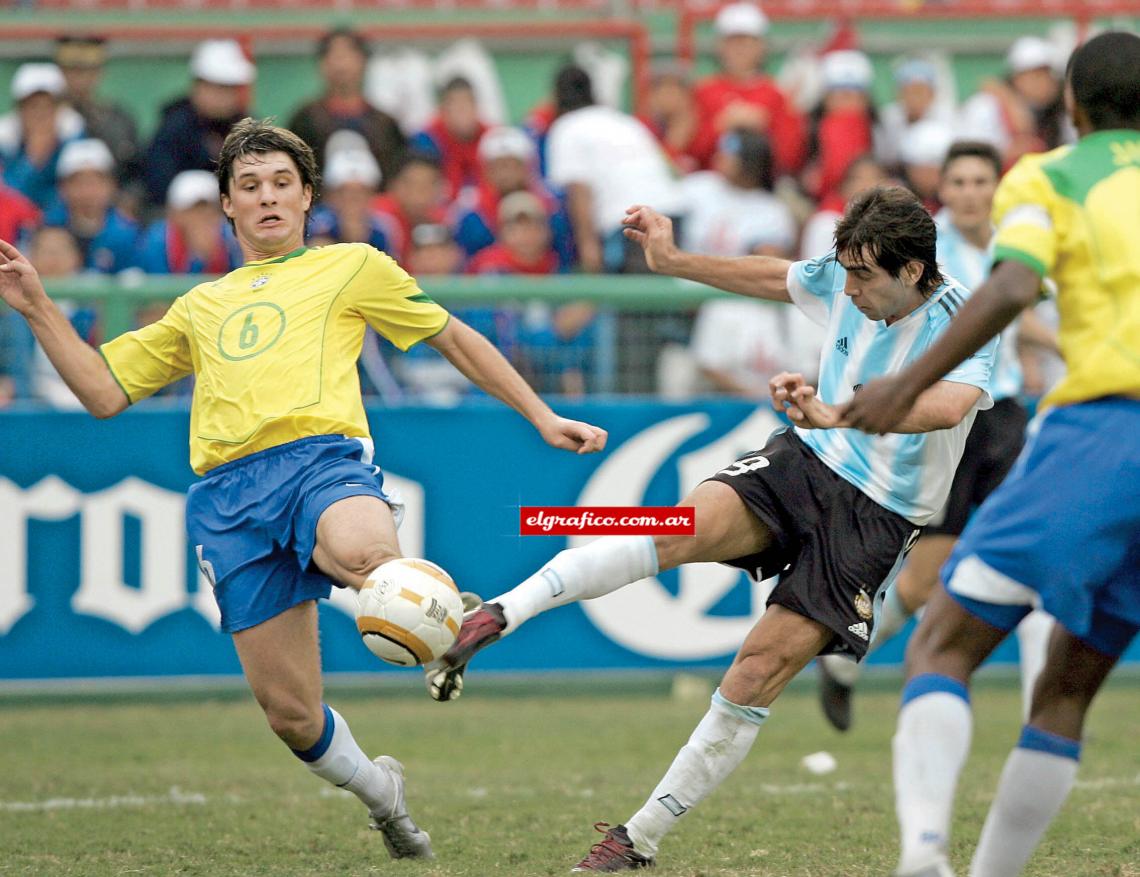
(1039, 773)
(778, 647)
(725, 529)
(934, 726)
(281, 661)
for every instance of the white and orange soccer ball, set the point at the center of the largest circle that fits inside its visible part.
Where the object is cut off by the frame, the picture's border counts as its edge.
(408, 612)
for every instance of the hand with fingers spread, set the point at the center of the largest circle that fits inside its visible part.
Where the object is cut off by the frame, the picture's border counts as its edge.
(654, 233)
(572, 435)
(20, 285)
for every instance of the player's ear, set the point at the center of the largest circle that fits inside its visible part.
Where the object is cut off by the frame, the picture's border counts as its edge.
(307, 197)
(227, 206)
(911, 271)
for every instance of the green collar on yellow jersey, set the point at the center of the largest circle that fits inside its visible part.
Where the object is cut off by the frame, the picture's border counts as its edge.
(285, 258)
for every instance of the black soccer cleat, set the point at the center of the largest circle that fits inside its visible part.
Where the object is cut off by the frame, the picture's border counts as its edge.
(835, 698)
(480, 628)
(614, 852)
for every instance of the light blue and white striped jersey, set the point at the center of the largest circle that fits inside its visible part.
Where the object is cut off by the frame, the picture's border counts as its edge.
(908, 474)
(970, 266)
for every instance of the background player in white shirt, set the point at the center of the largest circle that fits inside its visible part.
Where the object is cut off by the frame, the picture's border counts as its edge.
(831, 510)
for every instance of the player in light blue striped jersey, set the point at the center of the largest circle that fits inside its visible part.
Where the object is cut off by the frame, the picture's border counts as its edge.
(970, 175)
(830, 511)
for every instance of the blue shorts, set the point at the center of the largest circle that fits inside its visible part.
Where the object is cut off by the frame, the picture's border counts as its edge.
(1063, 530)
(253, 522)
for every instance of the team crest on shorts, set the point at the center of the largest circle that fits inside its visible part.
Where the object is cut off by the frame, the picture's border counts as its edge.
(259, 281)
(863, 606)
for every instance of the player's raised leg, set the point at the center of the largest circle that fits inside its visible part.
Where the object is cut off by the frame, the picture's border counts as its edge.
(355, 535)
(725, 528)
(281, 661)
(778, 647)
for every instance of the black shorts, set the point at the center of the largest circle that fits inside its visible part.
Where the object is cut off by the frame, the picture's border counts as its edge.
(991, 449)
(835, 548)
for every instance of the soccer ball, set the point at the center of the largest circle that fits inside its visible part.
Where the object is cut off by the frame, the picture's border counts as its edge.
(408, 612)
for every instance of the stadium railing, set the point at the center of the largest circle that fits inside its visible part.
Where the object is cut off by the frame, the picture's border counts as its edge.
(635, 319)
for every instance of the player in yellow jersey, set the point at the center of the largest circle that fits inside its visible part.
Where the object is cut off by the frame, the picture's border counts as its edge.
(1063, 531)
(290, 502)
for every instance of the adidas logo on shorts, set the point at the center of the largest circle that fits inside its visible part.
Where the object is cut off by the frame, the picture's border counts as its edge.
(860, 630)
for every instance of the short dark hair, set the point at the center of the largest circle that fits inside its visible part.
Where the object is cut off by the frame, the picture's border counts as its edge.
(326, 41)
(754, 154)
(889, 225)
(972, 149)
(572, 89)
(455, 83)
(414, 157)
(260, 137)
(1106, 85)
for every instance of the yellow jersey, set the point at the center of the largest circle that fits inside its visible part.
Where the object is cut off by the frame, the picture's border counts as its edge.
(273, 346)
(1074, 214)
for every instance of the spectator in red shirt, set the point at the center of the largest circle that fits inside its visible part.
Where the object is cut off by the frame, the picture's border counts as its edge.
(524, 245)
(453, 136)
(842, 126)
(414, 197)
(19, 217)
(671, 114)
(742, 96)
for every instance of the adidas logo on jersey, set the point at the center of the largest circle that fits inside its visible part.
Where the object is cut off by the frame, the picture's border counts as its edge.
(860, 630)
(841, 345)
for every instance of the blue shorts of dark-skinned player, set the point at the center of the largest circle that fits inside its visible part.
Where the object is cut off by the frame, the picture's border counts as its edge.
(1063, 530)
(253, 522)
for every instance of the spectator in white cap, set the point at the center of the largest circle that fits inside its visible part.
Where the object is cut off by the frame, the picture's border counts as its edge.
(841, 127)
(917, 99)
(32, 136)
(740, 95)
(350, 182)
(1024, 112)
(195, 237)
(190, 134)
(923, 150)
(107, 240)
(508, 163)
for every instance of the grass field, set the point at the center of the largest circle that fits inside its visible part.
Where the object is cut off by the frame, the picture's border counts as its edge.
(509, 783)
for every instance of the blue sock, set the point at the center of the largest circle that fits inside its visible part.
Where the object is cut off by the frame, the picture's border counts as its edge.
(323, 742)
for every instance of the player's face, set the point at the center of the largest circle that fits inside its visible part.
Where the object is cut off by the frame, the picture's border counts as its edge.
(967, 190)
(876, 294)
(267, 203)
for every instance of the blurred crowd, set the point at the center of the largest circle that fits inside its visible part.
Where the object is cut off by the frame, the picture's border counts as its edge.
(744, 163)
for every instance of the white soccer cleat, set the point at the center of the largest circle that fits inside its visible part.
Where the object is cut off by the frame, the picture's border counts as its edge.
(403, 838)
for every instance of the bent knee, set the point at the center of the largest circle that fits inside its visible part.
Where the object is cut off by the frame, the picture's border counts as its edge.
(293, 722)
(356, 564)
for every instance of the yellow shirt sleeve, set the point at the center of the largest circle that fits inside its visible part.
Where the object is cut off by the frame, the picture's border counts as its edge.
(392, 303)
(146, 360)
(1025, 216)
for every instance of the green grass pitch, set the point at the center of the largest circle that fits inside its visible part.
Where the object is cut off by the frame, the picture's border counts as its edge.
(509, 780)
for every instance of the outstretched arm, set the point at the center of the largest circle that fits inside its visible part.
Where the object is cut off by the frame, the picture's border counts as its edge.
(80, 366)
(476, 358)
(756, 276)
(882, 404)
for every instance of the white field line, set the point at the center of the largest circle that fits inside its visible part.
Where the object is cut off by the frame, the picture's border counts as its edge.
(1108, 782)
(174, 796)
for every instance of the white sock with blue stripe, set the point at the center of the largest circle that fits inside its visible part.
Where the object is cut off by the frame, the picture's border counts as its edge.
(930, 746)
(714, 750)
(336, 757)
(591, 570)
(1037, 778)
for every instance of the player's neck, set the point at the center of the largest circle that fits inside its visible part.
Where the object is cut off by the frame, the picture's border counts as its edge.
(977, 235)
(258, 254)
